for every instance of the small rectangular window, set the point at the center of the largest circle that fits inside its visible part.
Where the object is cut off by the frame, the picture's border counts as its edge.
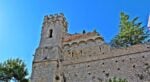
(50, 33)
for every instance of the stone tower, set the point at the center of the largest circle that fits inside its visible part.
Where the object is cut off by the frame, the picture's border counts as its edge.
(47, 64)
(85, 57)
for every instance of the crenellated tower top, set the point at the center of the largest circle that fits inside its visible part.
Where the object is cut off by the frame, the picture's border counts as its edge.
(56, 18)
(53, 30)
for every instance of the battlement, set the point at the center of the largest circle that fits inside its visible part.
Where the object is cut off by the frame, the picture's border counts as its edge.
(56, 18)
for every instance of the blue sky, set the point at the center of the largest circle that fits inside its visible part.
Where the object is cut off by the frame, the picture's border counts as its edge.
(21, 20)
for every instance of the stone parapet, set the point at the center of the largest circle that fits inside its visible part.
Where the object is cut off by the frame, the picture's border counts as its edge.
(52, 19)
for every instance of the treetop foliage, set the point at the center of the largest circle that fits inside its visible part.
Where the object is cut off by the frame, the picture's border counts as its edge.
(13, 69)
(131, 32)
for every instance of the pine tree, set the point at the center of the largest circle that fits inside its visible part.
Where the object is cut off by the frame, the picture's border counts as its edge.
(131, 32)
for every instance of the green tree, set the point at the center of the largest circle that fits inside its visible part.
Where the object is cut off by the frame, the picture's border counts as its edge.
(117, 80)
(5, 73)
(14, 68)
(131, 32)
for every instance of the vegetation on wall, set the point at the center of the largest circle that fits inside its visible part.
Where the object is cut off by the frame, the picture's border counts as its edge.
(117, 80)
(131, 32)
(13, 69)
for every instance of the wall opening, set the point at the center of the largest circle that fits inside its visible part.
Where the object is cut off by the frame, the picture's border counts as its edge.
(57, 78)
(89, 73)
(64, 78)
(116, 61)
(107, 74)
(146, 64)
(50, 33)
(103, 63)
(133, 66)
(103, 71)
(118, 68)
(143, 56)
(81, 51)
(75, 75)
(93, 77)
(141, 77)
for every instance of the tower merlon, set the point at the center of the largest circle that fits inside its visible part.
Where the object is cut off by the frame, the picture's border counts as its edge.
(56, 18)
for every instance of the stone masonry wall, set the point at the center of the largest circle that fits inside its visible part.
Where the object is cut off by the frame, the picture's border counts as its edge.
(46, 68)
(63, 57)
(99, 63)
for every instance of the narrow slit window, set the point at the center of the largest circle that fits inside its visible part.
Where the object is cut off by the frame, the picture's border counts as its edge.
(50, 33)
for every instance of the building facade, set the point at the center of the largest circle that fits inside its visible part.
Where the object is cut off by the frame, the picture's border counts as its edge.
(64, 57)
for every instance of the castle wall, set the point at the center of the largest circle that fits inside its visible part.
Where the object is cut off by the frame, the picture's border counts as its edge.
(43, 71)
(47, 53)
(63, 57)
(46, 65)
(99, 63)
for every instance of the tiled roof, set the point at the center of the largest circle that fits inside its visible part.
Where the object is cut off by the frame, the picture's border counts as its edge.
(79, 36)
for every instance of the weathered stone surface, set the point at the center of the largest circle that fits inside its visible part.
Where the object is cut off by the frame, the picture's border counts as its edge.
(85, 57)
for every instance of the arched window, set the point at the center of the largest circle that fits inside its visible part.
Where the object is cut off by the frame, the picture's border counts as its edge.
(50, 33)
